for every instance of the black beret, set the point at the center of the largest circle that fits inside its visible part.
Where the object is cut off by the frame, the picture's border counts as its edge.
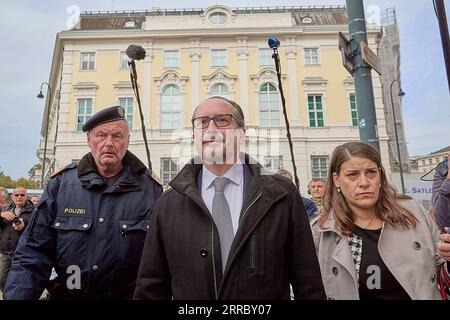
(106, 115)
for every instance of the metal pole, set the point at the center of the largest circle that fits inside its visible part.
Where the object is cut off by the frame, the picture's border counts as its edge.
(443, 27)
(49, 97)
(396, 138)
(361, 73)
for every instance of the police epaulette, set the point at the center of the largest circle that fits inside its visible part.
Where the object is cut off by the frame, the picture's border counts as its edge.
(70, 166)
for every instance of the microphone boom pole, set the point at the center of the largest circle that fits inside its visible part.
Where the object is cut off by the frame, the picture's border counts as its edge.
(274, 44)
(133, 78)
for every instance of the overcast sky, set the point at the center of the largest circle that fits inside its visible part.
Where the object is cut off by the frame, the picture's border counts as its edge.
(28, 31)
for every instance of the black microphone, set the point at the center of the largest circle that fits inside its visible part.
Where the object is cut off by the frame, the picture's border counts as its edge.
(135, 52)
(273, 42)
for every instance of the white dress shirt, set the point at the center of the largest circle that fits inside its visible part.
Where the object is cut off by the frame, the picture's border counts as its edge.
(234, 191)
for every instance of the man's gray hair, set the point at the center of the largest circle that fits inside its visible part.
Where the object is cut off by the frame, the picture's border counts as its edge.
(4, 191)
(238, 113)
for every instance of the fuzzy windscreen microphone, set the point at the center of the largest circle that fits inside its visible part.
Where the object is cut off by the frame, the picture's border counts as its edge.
(135, 52)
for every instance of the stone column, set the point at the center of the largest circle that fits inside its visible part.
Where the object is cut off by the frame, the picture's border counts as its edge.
(291, 55)
(147, 85)
(195, 65)
(242, 53)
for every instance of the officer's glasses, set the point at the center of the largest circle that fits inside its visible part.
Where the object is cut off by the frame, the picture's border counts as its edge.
(221, 120)
(19, 195)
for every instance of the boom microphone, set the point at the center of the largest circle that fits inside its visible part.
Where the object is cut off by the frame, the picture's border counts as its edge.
(135, 52)
(273, 42)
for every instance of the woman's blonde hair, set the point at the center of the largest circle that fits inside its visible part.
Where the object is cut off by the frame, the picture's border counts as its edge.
(387, 208)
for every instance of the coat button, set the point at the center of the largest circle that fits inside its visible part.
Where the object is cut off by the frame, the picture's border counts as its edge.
(124, 226)
(95, 267)
(101, 220)
(204, 253)
(337, 240)
(57, 224)
(148, 227)
(335, 271)
(416, 245)
(85, 225)
(433, 278)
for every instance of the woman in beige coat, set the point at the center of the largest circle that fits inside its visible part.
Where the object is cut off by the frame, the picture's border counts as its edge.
(371, 242)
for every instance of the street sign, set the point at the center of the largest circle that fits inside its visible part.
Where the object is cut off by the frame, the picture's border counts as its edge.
(370, 57)
(344, 46)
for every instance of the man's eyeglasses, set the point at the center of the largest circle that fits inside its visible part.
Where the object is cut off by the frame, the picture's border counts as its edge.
(19, 195)
(221, 120)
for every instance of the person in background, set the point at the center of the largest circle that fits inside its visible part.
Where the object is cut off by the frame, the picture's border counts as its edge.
(316, 189)
(34, 200)
(372, 243)
(12, 224)
(3, 196)
(310, 207)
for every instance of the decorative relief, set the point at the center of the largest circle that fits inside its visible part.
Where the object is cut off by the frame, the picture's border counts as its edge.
(171, 77)
(219, 76)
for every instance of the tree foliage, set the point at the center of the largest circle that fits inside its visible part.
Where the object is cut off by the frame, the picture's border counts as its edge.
(7, 182)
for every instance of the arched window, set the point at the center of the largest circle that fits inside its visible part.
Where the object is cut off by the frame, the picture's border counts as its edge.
(269, 106)
(171, 108)
(221, 90)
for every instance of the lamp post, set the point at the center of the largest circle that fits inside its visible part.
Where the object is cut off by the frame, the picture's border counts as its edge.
(401, 93)
(49, 97)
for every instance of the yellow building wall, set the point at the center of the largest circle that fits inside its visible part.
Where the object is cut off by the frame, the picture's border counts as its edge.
(105, 75)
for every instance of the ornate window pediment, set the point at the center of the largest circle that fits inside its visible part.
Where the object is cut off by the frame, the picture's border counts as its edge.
(219, 76)
(266, 75)
(171, 77)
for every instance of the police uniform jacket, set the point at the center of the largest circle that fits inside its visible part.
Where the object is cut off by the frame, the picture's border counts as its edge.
(83, 224)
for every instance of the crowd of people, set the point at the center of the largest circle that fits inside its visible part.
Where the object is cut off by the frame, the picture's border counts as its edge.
(225, 229)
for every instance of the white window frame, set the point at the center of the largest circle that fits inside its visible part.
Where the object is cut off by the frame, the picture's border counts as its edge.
(270, 108)
(172, 109)
(265, 57)
(85, 115)
(275, 163)
(320, 170)
(219, 58)
(212, 20)
(220, 92)
(171, 59)
(123, 61)
(315, 110)
(89, 61)
(128, 115)
(172, 173)
(308, 53)
(352, 109)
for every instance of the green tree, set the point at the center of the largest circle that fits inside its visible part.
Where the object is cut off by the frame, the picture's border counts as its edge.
(27, 184)
(7, 182)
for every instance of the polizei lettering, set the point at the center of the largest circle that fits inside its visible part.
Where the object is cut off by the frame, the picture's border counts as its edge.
(74, 210)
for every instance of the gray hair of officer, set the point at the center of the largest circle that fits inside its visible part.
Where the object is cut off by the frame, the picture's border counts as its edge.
(237, 111)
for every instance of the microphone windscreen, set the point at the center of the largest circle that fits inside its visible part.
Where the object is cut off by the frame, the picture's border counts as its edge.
(273, 42)
(135, 52)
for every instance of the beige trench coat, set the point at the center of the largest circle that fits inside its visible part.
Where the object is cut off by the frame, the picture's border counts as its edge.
(410, 255)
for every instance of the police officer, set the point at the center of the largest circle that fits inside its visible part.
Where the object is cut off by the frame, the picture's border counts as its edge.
(91, 222)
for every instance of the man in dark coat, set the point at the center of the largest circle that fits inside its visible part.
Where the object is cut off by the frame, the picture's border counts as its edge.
(12, 223)
(226, 229)
(91, 221)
